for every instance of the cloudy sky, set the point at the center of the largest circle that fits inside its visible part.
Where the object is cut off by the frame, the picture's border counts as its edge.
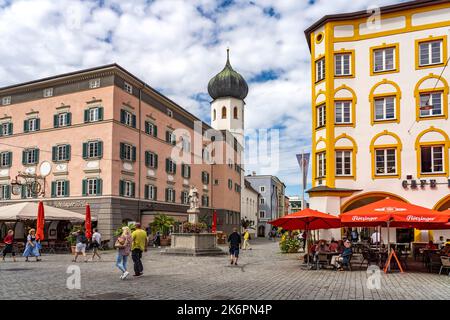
(176, 47)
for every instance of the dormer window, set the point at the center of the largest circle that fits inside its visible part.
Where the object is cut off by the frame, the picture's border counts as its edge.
(48, 92)
(6, 101)
(170, 113)
(128, 88)
(93, 84)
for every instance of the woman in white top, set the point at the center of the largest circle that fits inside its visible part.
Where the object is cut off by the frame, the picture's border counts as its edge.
(96, 243)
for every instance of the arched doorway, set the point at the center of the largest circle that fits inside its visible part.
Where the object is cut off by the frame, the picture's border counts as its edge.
(401, 235)
(443, 204)
(261, 231)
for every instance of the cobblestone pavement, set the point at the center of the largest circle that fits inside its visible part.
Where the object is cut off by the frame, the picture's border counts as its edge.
(263, 273)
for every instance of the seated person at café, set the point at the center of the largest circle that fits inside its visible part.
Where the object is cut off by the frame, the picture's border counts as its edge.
(333, 246)
(340, 246)
(312, 252)
(446, 250)
(323, 247)
(441, 243)
(344, 258)
(430, 246)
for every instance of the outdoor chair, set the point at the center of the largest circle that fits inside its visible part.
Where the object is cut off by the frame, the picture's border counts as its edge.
(321, 260)
(348, 264)
(368, 257)
(434, 261)
(445, 264)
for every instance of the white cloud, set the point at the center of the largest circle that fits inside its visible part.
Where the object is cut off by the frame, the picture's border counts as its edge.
(176, 47)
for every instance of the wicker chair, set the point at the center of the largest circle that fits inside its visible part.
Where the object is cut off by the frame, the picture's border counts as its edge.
(445, 264)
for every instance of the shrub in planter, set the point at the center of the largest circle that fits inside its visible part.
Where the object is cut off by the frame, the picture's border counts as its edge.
(289, 244)
(194, 227)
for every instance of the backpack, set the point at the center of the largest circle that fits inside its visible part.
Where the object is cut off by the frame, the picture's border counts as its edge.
(83, 239)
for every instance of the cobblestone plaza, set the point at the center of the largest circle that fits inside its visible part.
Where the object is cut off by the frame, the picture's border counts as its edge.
(262, 273)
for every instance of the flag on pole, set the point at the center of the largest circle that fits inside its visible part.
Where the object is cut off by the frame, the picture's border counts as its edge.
(303, 161)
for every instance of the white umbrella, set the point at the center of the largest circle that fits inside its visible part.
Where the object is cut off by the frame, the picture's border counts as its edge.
(29, 211)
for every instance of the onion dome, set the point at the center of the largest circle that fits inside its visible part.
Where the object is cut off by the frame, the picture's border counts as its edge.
(228, 83)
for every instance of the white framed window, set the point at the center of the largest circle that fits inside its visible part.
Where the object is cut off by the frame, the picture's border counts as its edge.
(344, 163)
(321, 164)
(385, 108)
(63, 119)
(30, 156)
(342, 63)
(6, 129)
(185, 197)
(60, 188)
(94, 114)
(262, 200)
(5, 159)
(384, 59)
(430, 52)
(128, 88)
(150, 128)
(342, 112)
(128, 189)
(321, 116)
(33, 124)
(262, 189)
(171, 138)
(92, 187)
(320, 70)
(206, 155)
(62, 152)
(431, 104)
(151, 159)
(186, 144)
(385, 161)
(151, 192)
(170, 195)
(5, 192)
(127, 152)
(48, 92)
(262, 214)
(171, 166)
(127, 118)
(432, 159)
(6, 101)
(170, 113)
(95, 83)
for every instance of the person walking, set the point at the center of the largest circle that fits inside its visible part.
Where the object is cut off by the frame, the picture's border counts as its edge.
(235, 242)
(247, 239)
(139, 245)
(304, 236)
(9, 245)
(157, 240)
(96, 243)
(123, 246)
(80, 248)
(31, 248)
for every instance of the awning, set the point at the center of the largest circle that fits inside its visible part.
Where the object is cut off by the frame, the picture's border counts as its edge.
(29, 211)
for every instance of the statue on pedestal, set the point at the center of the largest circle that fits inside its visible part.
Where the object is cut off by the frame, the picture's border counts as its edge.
(194, 208)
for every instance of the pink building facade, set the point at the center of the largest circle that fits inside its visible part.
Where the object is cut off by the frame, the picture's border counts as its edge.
(115, 143)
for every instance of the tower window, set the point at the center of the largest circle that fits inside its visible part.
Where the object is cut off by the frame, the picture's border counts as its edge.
(224, 113)
(214, 114)
(235, 112)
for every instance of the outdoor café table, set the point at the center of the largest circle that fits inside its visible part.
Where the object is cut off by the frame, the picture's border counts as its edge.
(330, 255)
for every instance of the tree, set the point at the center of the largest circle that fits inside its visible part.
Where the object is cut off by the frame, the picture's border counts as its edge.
(162, 223)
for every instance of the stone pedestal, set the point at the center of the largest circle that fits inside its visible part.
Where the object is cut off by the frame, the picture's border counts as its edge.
(194, 244)
(193, 215)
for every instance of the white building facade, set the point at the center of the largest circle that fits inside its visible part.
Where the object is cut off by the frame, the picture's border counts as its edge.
(380, 90)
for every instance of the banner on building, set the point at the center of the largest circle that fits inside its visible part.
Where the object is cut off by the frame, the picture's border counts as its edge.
(303, 161)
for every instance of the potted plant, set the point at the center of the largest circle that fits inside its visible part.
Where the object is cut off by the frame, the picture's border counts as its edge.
(72, 239)
(163, 223)
(119, 230)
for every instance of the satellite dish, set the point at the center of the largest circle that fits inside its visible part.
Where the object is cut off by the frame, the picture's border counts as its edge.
(45, 168)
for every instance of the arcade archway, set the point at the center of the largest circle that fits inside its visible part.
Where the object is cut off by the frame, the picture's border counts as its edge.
(443, 204)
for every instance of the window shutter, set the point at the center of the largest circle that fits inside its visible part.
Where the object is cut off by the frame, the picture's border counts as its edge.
(24, 157)
(174, 168)
(122, 151)
(122, 116)
(167, 195)
(86, 115)
(84, 187)
(183, 169)
(10, 155)
(146, 191)
(133, 156)
(133, 188)
(25, 126)
(156, 160)
(147, 158)
(100, 149)
(37, 156)
(85, 150)
(182, 197)
(147, 127)
(167, 165)
(155, 193)
(8, 192)
(173, 195)
(55, 121)
(10, 128)
(54, 151)
(68, 152)
(53, 189)
(99, 187)
(66, 187)
(69, 118)
(133, 120)
(38, 124)
(121, 188)
(167, 136)
(189, 172)
(100, 114)
(155, 131)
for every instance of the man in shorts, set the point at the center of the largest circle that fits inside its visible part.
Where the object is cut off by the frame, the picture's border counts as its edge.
(235, 242)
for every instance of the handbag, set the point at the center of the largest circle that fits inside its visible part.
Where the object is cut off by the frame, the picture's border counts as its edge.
(119, 245)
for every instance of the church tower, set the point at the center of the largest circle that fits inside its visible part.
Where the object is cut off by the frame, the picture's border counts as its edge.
(228, 90)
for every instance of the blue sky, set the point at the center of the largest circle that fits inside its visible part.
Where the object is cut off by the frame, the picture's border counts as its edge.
(176, 47)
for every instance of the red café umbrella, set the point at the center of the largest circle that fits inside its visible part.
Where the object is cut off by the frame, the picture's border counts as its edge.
(40, 222)
(214, 222)
(88, 222)
(307, 219)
